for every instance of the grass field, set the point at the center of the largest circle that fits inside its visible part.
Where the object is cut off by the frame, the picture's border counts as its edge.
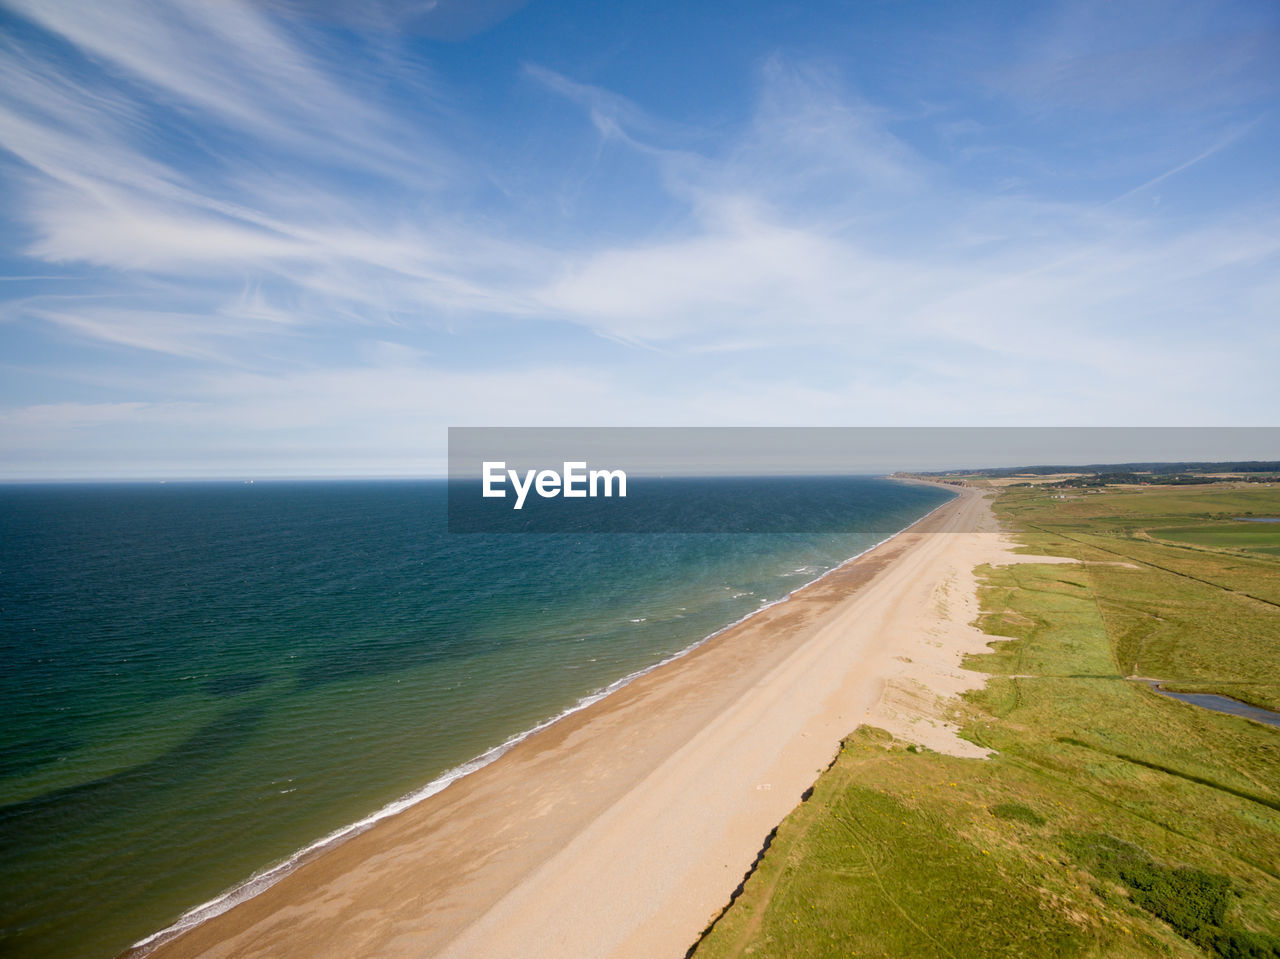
(1252, 537)
(1111, 821)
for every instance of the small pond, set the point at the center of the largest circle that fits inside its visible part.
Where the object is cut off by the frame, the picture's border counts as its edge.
(1222, 704)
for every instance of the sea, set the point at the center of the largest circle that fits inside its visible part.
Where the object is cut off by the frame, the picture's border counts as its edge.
(201, 681)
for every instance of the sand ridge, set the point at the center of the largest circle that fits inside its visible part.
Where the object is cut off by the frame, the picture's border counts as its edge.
(923, 670)
(623, 829)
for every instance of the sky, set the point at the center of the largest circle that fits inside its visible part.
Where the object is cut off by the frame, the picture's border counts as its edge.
(305, 237)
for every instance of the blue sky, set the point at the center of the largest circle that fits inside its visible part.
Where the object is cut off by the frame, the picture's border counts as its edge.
(281, 238)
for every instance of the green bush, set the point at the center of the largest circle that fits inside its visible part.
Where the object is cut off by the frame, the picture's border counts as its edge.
(1192, 901)
(1238, 944)
(1187, 899)
(1016, 812)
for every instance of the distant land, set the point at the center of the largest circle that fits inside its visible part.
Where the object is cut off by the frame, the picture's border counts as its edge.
(1112, 474)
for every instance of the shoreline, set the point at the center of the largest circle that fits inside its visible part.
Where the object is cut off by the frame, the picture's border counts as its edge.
(267, 877)
(195, 932)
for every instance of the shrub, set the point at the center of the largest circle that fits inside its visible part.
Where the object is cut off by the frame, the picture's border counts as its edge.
(1192, 901)
(1016, 812)
(1187, 899)
(1238, 944)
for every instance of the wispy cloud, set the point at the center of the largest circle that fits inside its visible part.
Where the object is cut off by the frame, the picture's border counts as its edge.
(116, 174)
(241, 68)
(1098, 56)
(1037, 281)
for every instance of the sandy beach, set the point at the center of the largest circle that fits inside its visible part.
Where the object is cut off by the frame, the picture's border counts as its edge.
(622, 830)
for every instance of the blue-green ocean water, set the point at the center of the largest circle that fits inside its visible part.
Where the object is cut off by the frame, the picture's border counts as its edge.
(201, 679)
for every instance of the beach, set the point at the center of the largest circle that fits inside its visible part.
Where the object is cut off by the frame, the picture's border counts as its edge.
(623, 829)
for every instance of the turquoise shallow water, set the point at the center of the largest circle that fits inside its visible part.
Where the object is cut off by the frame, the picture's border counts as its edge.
(202, 679)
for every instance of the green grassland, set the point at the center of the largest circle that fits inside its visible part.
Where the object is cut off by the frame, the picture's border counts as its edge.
(1251, 537)
(1111, 821)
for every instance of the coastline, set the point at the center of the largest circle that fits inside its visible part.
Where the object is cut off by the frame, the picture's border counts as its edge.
(250, 919)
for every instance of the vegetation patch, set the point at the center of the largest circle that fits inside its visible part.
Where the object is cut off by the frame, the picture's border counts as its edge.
(1016, 812)
(870, 871)
(1256, 537)
(1194, 902)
